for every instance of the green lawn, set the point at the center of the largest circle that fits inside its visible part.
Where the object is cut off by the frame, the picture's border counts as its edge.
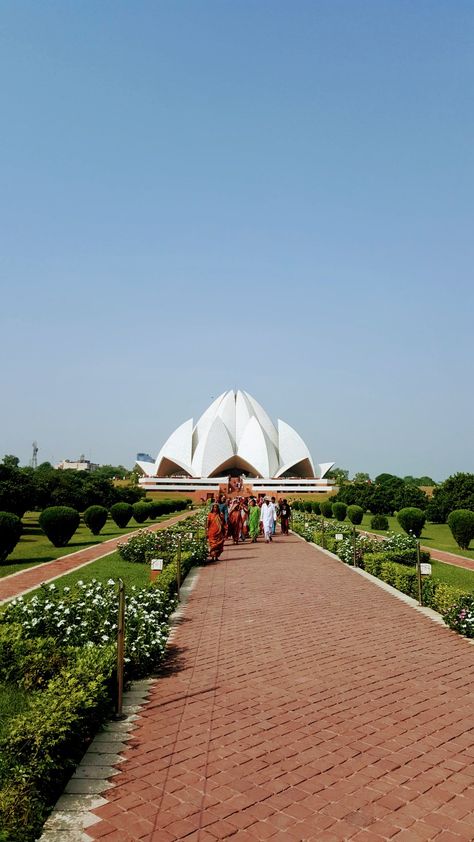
(109, 567)
(435, 535)
(35, 548)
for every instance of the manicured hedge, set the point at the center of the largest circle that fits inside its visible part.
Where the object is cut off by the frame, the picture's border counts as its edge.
(59, 524)
(461, 524)
(95, 518)
(379, 522)
(412, 520)
(10, 533)
(121, 514)
(339, 511)
(355, 514)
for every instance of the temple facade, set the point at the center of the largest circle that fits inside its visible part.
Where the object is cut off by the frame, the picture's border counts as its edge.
(234, 442)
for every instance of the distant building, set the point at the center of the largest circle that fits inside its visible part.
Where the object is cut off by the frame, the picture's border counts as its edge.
(144, 457)
(81, 464)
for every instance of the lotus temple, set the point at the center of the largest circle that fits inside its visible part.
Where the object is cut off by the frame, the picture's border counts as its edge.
(234, 445)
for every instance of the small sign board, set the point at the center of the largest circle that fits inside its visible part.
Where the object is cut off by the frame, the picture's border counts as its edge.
(306, 524)
(190, 536)
(157, 564)
(425, 569)
(339, 536)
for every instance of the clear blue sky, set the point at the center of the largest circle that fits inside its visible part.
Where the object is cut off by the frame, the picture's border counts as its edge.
(275, 196)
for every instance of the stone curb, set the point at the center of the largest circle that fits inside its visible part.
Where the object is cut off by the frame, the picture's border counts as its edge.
(72, 814)
(409, 600)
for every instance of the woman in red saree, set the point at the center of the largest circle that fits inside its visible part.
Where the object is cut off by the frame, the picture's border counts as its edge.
(234, 521)
(215, 532)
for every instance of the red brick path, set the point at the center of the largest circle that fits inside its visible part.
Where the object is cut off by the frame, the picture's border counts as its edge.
(300, 702)
(33, 577)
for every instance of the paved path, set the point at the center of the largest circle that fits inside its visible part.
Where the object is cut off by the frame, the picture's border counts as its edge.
(300, 702)
(33, 577)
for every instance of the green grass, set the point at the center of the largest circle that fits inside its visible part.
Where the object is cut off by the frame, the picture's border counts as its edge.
(35, 548)
(110, 567)
(436, 536)
(451, 575)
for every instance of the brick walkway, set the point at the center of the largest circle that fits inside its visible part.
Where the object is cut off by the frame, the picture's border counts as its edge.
(300, 702)
(33, 577)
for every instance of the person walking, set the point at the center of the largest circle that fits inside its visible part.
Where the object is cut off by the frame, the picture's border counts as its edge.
(285, 514)
(267, 518)
(254, 520)
(275, 515)
(215, 532)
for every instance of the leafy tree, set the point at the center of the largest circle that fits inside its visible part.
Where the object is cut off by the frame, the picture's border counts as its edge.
(380, 500)
(360, 476)
(11, 461)
(410, 495)
(340, 475)
(456, 492)
(16, 489)
(354, 494)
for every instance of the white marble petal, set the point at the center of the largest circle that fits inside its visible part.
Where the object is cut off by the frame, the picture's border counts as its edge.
(291, 447)
(324, 468)
(264, 419)
(177, 448)
(213, 449)
(253, 447)
(243, 414)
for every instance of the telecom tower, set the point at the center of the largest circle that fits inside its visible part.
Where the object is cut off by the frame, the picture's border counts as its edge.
(34, 458)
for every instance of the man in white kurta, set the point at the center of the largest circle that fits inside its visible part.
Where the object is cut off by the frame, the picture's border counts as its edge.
(267, 514)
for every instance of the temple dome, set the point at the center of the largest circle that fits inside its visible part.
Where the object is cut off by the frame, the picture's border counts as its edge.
(234, 434)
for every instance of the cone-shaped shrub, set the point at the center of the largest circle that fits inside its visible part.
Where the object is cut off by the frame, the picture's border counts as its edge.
(95, 518)
(379, 522)
(140, 512)
(10, 531)
(121, 514)
(326, 508)
(59, 524)
(412, 520)
(339, 511)
(355, 514)
(315, 507)
(461, 524)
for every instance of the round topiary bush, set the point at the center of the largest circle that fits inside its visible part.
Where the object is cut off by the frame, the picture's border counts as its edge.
(10, 531)
(315, 507)
(355, 514)
(326, 508)
(59, 524)
(461, 524)
(121, 514)
(412, 520)
(379, 522)
(95, 518)
(308, 506)
(141, 512)
(339, 511)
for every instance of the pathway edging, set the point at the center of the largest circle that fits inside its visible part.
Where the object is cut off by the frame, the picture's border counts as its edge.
(72, 814)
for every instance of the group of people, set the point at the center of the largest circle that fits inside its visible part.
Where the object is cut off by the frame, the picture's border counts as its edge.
(244, 517)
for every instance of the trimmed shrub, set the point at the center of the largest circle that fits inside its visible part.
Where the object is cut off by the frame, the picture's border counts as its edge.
(373, 563)
(339, 511)
(59, 524)
(379, 522)
(316, 507)
(461, 524)
(326, 508)
(412, 520)
(121, 514)
(307, 506)
(95, 518)
(141, 512)
(355, 514)
(10, 531)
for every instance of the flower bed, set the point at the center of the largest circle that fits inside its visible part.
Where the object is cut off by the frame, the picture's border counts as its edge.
(59, 645)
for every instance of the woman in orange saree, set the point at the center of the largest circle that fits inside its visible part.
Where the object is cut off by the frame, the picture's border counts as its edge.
(215, 532)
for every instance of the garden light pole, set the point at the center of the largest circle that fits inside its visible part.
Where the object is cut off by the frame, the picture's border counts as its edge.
(120, 648)
(354, 545)
(418, 574)
(322, 530)
(178, 569)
